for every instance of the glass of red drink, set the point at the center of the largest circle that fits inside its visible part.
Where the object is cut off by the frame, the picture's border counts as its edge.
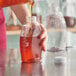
(29, 41)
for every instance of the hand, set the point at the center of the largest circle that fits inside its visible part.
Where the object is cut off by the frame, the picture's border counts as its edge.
(43, 36)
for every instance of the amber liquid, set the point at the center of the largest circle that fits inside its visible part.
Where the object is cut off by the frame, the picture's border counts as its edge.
(30, 49)
(31, 3)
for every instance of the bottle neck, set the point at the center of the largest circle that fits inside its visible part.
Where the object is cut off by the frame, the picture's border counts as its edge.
(31, 19)
(54, 10)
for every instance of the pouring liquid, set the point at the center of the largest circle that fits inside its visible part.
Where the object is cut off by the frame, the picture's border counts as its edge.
(29, 46)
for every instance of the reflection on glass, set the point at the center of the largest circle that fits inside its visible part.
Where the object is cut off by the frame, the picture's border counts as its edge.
(12, 57)
(2, 58)
(2, 62)
(2, 71)
(56, 69)
(31, 69)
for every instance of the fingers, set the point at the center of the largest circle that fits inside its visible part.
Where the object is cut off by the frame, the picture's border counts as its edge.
(43, 44)
(43, 37)
(43, 32)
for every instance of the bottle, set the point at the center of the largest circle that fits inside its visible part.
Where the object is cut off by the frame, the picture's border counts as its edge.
(7, 3)
(29, 41)
(56, 27)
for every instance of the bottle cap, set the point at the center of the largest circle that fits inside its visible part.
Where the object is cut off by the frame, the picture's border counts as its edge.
(60, 59)
(55, 8)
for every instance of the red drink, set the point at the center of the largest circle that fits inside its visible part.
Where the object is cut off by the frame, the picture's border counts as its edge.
(30, 49)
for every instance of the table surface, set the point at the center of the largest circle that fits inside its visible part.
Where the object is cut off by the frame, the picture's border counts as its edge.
(17, 32)
(10, 65)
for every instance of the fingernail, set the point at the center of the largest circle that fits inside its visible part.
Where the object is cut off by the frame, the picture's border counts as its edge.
(44, 49)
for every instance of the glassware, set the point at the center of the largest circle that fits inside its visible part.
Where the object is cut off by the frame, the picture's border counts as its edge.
(29, 41)
(56, 27)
